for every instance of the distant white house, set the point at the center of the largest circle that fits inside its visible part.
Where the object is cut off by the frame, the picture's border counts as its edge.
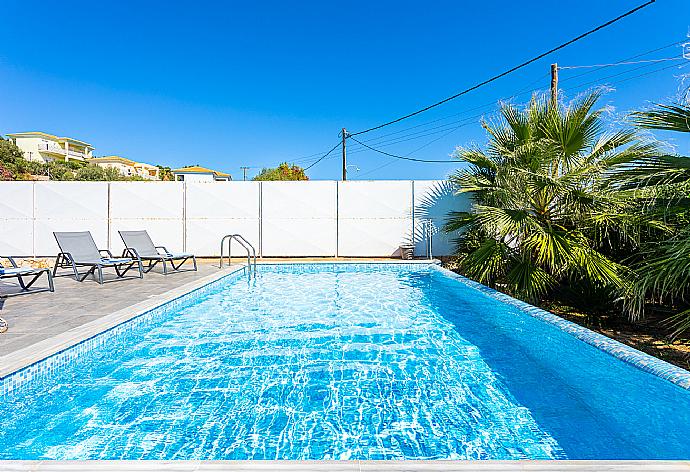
(127, 167)
(200, 174)
(43, 147)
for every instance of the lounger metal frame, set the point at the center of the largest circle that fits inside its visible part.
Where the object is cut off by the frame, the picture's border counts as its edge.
(27, 272)
(162, 257)
(167, 257)
(94, 258)
(65, 260)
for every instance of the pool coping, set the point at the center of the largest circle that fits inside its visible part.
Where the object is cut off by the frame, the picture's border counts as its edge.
(628, 354)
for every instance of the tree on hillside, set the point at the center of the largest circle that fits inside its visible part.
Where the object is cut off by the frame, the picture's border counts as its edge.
(165, 173)
(283, 172)
(12, 162)
(544, 215)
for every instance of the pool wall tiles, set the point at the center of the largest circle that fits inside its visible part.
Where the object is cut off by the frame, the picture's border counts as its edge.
(50, 365)
(628, 354)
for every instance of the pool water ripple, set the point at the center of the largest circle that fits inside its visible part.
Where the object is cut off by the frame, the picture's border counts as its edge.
(316, 365)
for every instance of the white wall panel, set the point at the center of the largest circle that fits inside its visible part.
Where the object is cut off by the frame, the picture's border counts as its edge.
(375, 199)
(16, 200)
(16, 218)
(16, 237)
(298, 218)
(165, 232)
(71, 200)
(214, 210)
(203, 236)
(69, 206)
(298, 199)
(157, 207)
(299, 237)
(157, 200)
(227, 200)
(373, 218)
(371, 237)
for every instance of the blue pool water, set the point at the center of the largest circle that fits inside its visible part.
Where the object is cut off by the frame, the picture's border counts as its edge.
(347, 362)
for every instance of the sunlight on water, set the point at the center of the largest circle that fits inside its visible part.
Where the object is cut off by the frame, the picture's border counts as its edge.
(314, 365)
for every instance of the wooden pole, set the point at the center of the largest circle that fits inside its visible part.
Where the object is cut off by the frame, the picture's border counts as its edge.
(344, 131)
(554, 84)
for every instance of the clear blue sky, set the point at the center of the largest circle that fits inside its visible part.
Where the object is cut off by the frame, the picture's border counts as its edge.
(226, 84)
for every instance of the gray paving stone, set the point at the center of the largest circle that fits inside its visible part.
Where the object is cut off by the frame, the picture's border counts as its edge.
(35, 317)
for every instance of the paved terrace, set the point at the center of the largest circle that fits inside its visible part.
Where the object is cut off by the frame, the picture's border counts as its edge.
(35, 317)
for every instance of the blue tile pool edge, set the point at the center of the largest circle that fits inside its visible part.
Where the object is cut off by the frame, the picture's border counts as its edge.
(628, 354)
(42, 368)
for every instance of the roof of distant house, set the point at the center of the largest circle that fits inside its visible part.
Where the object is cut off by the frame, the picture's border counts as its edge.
(49, 136)
(199, 170)
(121, 160)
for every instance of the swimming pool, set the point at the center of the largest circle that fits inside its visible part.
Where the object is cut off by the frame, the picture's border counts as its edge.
(345, 361)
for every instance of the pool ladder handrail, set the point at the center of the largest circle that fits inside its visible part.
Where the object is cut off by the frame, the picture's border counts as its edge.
(428, 230)
(251, 252)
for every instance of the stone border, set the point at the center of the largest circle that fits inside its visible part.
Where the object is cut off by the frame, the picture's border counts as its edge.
(623, 352)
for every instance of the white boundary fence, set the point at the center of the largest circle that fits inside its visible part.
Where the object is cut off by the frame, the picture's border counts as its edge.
(312, 218)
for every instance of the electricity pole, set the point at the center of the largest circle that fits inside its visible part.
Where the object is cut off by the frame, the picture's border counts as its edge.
(244, 170)
(344, 132)
(554, 84)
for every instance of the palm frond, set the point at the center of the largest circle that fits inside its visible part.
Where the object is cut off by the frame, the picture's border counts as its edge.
(665, 117)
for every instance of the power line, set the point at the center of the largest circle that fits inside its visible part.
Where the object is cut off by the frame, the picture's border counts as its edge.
(399, 157)
(511, 70)
(626, 78)
(619, 63)
(675, 43)
(486, 107)
(392, 161)
(527, 89)
(466, 122)
(324, 156)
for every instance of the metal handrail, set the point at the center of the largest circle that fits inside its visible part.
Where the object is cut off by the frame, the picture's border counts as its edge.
(428, 230)
(245, 244)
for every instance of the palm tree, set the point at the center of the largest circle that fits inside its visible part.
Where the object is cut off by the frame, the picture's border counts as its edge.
(664, 182)
(543, 212)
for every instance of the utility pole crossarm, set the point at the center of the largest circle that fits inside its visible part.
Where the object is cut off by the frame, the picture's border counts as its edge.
(244, 170)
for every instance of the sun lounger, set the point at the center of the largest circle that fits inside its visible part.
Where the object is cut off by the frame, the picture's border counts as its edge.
(78, 249)
(138, 245)
(15, 271)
